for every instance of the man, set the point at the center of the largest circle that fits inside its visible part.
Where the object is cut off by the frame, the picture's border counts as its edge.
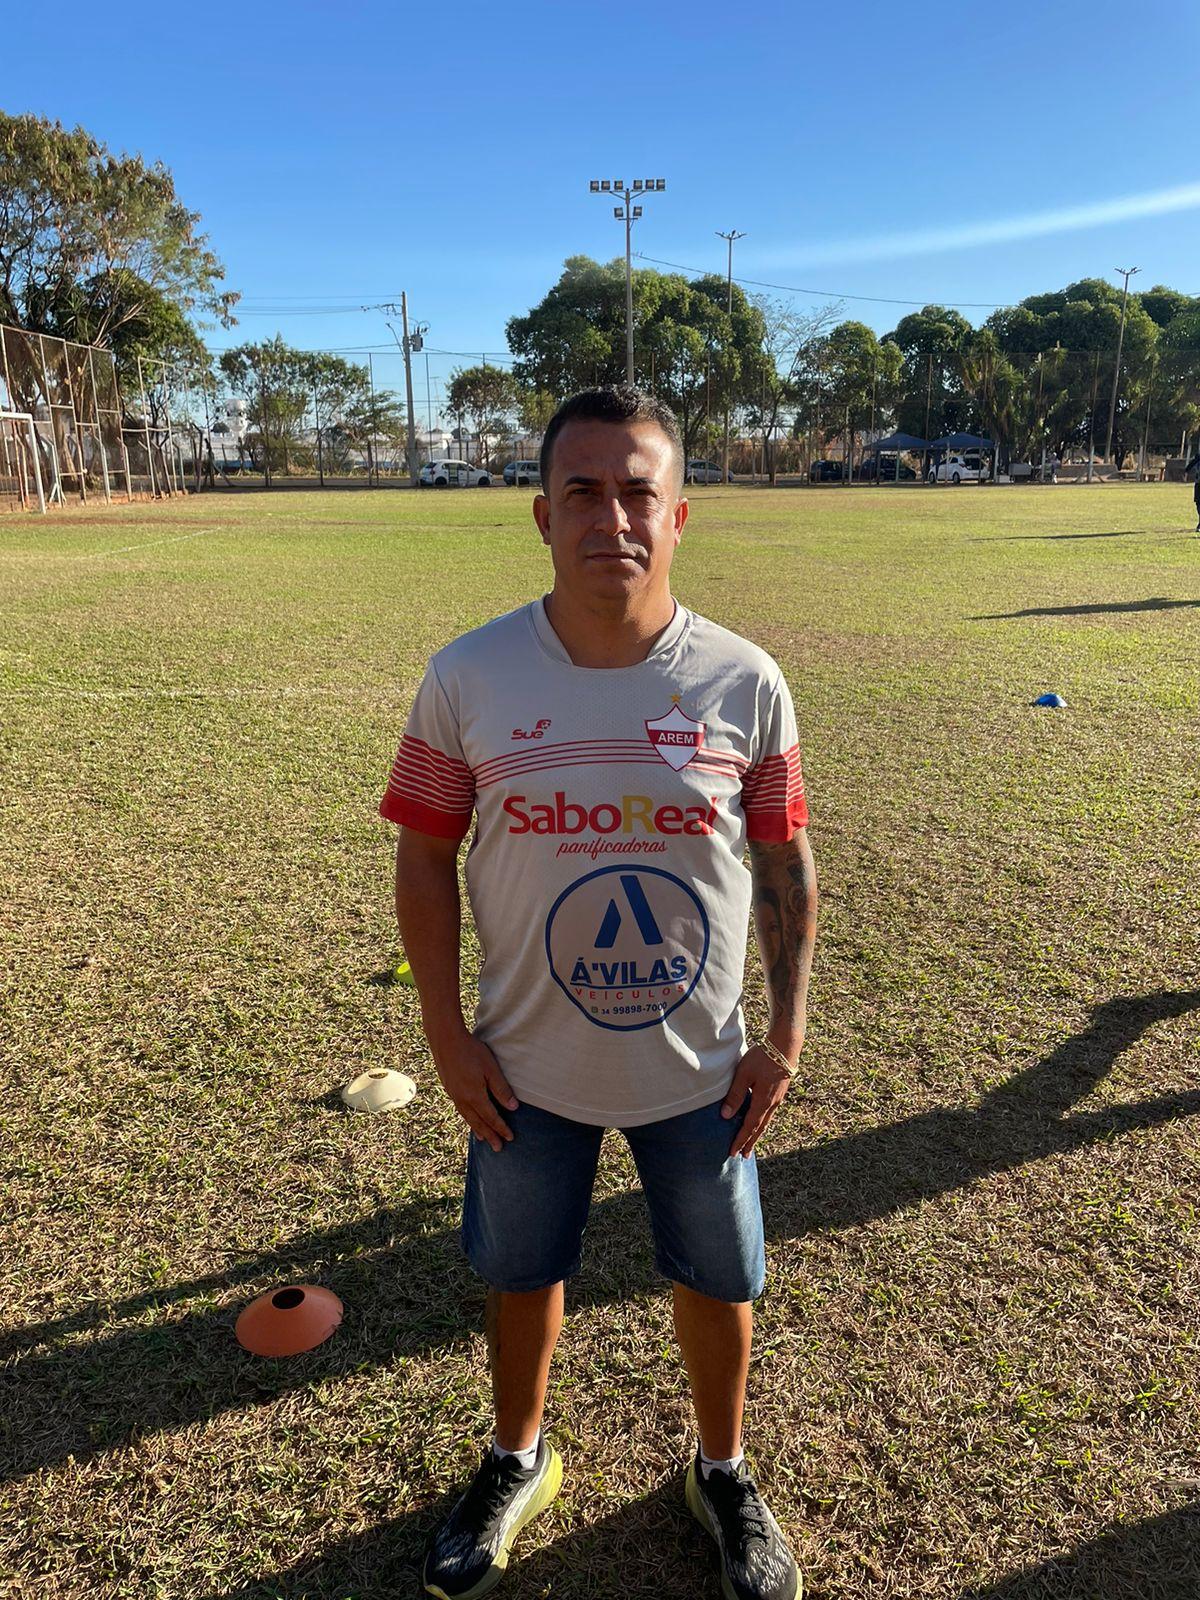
(618, 752)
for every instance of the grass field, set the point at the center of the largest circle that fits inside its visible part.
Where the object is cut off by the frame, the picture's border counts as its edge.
(977, 1359)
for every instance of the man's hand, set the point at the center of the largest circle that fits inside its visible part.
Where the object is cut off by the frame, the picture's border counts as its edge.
(767, 1084)
(468, 1070)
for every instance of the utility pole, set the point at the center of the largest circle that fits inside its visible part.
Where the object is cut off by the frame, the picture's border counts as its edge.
(628, 214)
(408, 390)
(410, 342)
(1126, 273)
(729, 239)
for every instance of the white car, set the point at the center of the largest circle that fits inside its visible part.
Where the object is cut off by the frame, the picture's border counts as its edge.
(452, 475)
(703, 472)
(969, 468)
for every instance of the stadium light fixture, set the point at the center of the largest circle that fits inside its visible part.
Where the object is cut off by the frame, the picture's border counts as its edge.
(628, 214)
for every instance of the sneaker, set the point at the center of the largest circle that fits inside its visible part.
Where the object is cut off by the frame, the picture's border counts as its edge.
(756, 1563)
(468, 1554)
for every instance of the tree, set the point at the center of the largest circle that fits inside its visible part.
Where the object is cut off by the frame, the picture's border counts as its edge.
(280, 385)
(929, 398)
(575, 337)
(91, 241)
(857, 378)
(535, 407)
(484, 394)
(1084, 317)
(783, 371)
(687, 347)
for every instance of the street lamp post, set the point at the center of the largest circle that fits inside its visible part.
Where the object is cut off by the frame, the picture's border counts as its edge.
(729, 238)
(628, 214)
(1126, 273)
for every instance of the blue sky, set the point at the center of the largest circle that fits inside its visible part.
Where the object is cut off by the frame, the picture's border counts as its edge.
(342, 152)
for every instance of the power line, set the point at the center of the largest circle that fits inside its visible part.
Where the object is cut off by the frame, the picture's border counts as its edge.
(830, 294)
(505, 358)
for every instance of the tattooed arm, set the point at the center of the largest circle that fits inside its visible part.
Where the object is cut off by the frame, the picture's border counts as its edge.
(785, 917)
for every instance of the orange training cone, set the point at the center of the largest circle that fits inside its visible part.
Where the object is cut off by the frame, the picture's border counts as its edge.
(286, 1322)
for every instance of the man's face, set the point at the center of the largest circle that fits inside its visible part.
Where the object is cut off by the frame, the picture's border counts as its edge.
(612, 512)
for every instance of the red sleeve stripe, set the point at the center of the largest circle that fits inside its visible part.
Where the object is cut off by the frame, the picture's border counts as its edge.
(429, 773)
(425, 819)
(422, 757)
(773, 798)
(420, 795)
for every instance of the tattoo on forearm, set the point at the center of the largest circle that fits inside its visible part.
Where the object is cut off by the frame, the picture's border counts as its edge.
(785, 917)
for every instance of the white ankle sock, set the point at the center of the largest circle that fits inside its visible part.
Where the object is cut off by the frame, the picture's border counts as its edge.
(525, 1457)
(707, 1463)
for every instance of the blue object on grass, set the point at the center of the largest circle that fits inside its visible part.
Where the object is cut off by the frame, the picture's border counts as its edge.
(1055, 700)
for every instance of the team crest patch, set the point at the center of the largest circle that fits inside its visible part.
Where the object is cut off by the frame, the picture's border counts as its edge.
(677, 737)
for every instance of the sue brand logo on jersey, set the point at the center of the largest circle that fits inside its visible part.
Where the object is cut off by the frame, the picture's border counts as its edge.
(676, 737)
(626, 945)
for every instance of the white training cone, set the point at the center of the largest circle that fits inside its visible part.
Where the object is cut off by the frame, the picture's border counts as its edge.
(381, 1089)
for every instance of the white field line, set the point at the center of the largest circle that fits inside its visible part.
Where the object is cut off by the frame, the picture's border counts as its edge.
(94, 555)
(178, 538)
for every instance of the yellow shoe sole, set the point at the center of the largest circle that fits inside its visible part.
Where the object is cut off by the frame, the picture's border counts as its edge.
(547, 1490)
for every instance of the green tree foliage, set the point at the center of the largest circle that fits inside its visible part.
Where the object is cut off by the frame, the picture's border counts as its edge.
(283, 387)
(483, 396)
(1084, 318)
(98, 247)
(688, 347)
(535, 407)
(929, 398)
(858, 378)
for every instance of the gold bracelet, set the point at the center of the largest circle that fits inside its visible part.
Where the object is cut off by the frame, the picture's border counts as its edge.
(775, 1054)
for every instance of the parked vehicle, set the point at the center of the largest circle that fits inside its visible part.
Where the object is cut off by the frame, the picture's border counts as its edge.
(704, 472)
(452, 475)
(969, 466)
(883, 469)
(827, 472)
(523, 473)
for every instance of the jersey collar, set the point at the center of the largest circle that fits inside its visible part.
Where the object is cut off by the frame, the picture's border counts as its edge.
(553, 645)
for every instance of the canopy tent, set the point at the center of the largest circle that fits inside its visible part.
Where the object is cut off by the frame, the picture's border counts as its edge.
(962, 441)
(895, 444)
(897, 441)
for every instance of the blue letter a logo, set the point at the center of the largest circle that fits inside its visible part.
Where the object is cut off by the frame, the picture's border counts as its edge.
(642, 915)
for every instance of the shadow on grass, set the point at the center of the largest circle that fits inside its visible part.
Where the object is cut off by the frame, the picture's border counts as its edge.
(1013, 538)
(646, 1546)
(408, 1290)
(1158, 603)
(1158, 1559)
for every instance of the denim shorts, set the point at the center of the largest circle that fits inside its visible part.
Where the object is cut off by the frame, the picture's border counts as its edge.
(526, 1205)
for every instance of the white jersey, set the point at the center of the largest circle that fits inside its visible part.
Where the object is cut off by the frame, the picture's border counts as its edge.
(606, 874)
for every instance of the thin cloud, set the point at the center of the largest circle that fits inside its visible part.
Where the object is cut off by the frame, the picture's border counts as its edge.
(999, 230)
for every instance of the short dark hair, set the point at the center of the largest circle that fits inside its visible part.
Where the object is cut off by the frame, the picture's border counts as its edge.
(619, 403)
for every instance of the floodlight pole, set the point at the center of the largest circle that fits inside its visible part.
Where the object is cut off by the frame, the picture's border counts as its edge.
(628, 214)
(729, 238)
(1126, 273)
